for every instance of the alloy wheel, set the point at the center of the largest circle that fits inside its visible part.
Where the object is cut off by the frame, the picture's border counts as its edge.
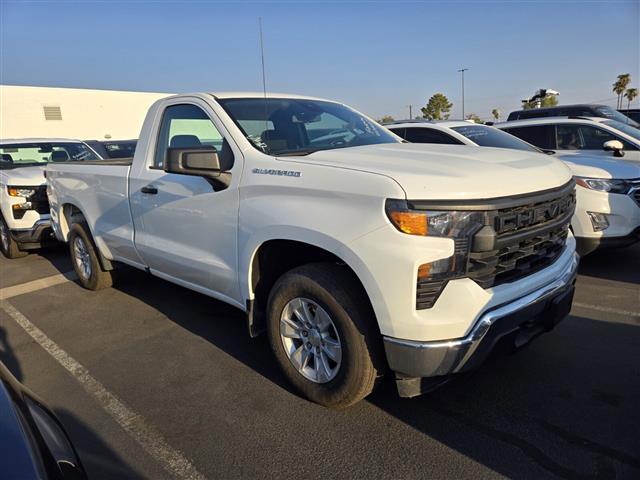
(82, 258)
(310, 340)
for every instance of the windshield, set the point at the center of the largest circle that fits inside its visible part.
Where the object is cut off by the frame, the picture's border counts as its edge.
(492, 137)
(31, 154)
(623, 127)
(283, 126)
(609, 112)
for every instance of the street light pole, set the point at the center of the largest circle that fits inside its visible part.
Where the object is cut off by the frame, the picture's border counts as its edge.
(462, 70)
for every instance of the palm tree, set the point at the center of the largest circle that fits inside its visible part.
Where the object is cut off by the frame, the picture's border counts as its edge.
(620, 86)
(630, 94)
(496, 113)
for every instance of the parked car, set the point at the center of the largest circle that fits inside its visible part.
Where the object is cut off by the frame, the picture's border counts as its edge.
(570, 136)
(34, 442)
(608, 193)
(583, 110)
(632, 113)
(113, 148)
(24, 219)
(356, 252)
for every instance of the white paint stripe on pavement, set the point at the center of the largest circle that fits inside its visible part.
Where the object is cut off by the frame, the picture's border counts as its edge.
(150, 440)
(35, 285)
(628, 313)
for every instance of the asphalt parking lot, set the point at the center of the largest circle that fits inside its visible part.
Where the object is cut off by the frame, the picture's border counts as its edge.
(195, 385)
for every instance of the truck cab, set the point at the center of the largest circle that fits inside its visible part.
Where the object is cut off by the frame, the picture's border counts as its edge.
(24, 222)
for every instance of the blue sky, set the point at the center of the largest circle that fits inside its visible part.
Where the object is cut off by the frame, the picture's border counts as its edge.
(376, 56)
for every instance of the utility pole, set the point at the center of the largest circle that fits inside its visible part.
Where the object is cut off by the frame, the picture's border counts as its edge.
(410, 111)
(462, 70)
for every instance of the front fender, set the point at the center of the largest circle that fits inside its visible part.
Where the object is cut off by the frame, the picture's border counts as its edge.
(316, 239)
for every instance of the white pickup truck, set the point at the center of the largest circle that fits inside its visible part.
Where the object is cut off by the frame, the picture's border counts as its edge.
(24, 217)
(356, 252)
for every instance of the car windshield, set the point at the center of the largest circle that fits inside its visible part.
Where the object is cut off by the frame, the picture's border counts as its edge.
(492, 137)
(31, 154)
(285, 126)
(623, 127)
(608, 112)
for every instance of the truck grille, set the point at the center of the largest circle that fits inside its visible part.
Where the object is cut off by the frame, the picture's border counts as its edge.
(518, 241)
(40, 201)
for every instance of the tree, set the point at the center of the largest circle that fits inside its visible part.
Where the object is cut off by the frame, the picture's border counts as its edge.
(547, 101)
(496, 113)
(620, 85)
(474, 117)
(631, 94)
(386, 119)
(437, 108)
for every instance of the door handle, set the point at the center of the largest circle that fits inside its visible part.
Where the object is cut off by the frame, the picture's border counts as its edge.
(149, 189)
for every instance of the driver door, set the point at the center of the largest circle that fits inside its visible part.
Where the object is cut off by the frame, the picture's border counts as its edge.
(185, 228)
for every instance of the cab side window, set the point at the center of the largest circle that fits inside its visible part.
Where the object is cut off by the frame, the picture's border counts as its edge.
(585, 137)
(542, 136)
(188, 126)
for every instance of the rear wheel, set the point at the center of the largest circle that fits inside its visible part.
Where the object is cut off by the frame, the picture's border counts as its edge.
(10, 248)
(321, 331)
(85, 259)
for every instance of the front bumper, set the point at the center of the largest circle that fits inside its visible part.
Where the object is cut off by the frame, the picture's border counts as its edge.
(34, 237)
(420, 365)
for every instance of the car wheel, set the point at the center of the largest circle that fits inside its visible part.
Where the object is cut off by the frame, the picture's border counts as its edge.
(321, 330)
(85, 261)
(10, 248)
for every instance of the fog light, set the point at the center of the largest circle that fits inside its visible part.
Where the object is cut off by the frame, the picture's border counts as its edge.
(599, 221)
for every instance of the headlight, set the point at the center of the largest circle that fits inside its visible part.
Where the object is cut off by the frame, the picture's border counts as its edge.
(604, 185)
(434, 223)
(21, 192)
(457, 225)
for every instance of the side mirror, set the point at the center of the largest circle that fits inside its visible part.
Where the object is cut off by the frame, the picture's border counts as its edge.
(614, 146)
(201, 161)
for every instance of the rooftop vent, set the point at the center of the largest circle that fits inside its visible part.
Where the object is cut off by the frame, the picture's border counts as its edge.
(52, 112)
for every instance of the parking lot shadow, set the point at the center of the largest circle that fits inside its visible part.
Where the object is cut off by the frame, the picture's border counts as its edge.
(622, 265)
(216, 322)
(8, 357)
(548, 409)
(99, 460)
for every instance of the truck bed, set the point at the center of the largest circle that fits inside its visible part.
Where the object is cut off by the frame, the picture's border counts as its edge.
(100, 190)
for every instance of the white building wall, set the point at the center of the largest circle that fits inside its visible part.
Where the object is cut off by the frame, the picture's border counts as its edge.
(86, 114)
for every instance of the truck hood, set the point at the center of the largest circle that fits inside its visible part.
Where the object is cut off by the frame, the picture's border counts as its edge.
(602, 167)
(455, 172)
(23, 176)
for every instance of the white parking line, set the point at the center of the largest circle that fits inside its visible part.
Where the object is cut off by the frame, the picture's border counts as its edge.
(15, 290)
(150, 440)
(627, 313)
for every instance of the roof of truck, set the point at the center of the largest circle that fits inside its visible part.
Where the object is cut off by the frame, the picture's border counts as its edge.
(261, 95)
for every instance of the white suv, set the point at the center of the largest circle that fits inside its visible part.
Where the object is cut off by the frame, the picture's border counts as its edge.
(608, 193)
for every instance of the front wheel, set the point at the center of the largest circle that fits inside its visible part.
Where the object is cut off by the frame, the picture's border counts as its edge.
(8, 245)
(84, 256)
(321, 331)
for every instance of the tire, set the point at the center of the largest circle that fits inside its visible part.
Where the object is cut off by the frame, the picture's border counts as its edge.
(333, 289)
(84, 256)
(10, 248)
